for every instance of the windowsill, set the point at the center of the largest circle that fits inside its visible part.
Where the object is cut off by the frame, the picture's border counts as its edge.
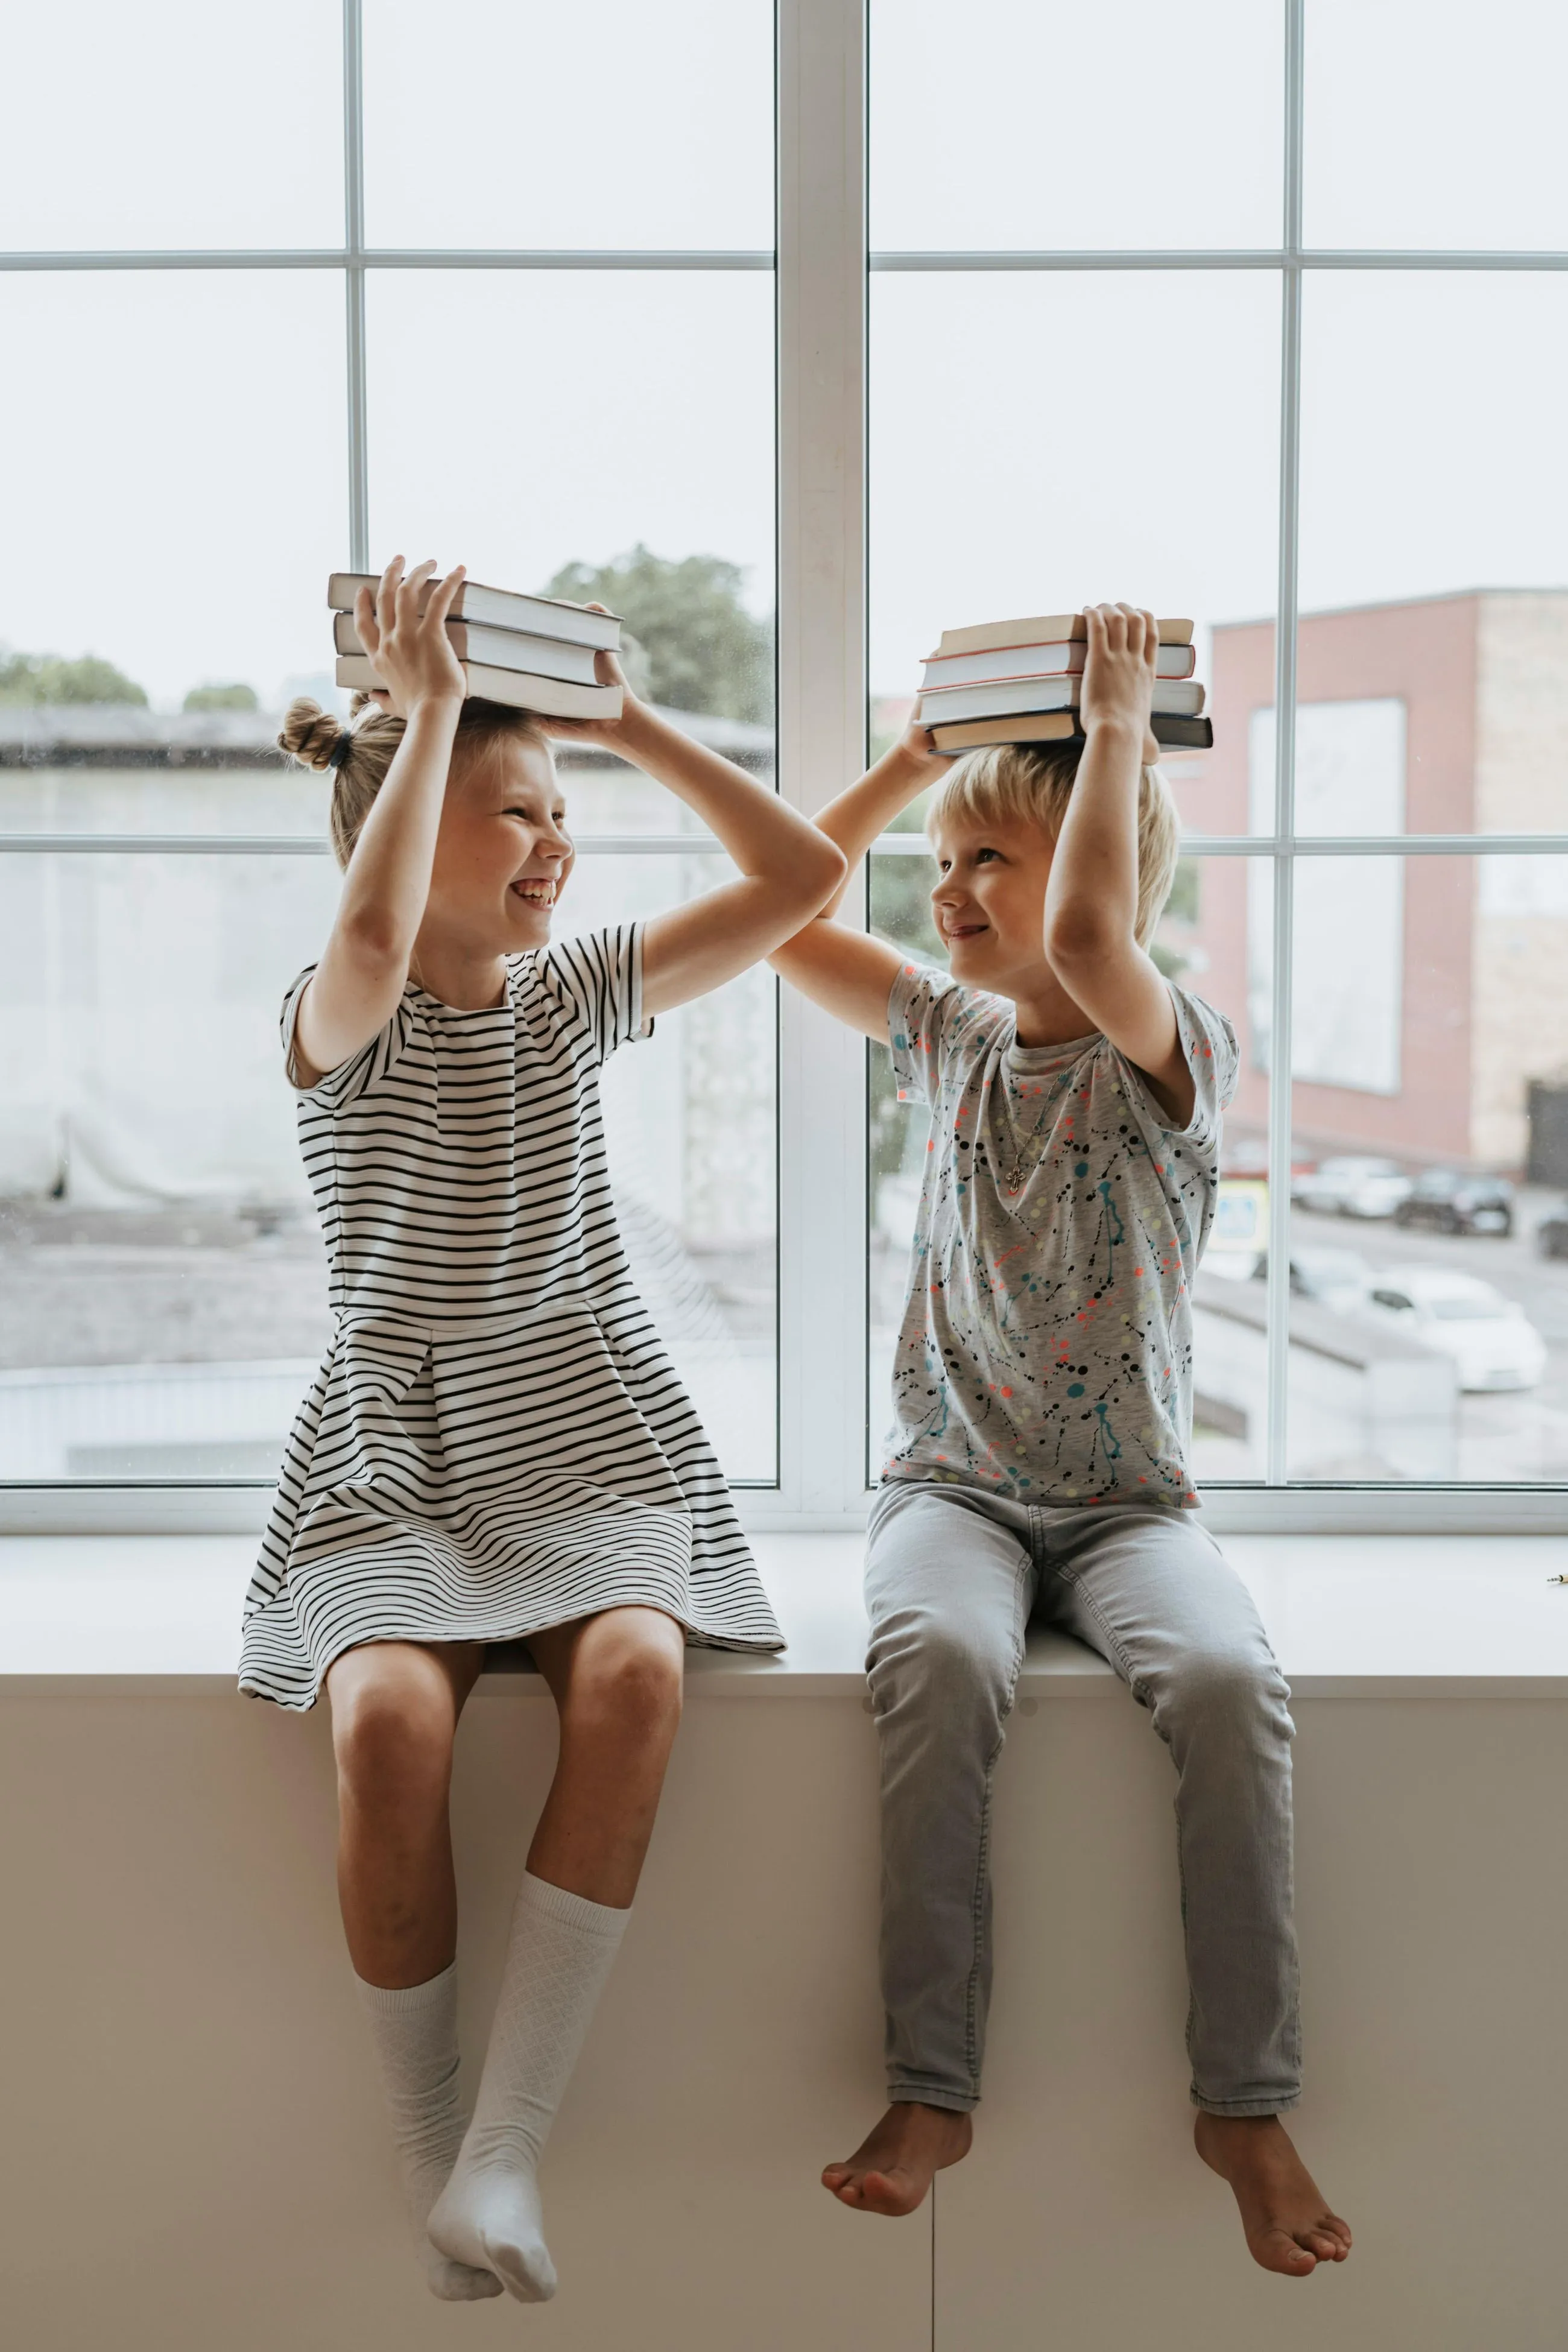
(1350, 1616)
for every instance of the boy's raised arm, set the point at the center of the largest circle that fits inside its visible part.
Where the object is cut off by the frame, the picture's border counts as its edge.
(1091, 898)
(847, 972)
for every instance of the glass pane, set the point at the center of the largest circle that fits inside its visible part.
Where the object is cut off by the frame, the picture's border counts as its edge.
(1429, 1332)
(652, 487)
(618, 125)
(1202, 943)
(1121, 439)
(1434, 648)
(1012, 126)
(163, 1301)
(173, 123)
(1435, 125)
(188, 427)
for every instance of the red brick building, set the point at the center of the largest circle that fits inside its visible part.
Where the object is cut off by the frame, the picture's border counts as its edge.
(1430, 990)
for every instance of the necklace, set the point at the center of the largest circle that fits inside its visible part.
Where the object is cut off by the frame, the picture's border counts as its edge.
(1018, 1174)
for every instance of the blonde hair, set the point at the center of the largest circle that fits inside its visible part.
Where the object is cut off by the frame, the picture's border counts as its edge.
(1032, 782)
(361, 753)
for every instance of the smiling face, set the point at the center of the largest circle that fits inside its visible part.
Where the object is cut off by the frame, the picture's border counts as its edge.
(502, 853)
(989, 903)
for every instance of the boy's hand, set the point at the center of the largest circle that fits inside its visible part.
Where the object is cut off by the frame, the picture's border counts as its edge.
(916, 745)
(1119, 674)
(407, 646)
(609, 672)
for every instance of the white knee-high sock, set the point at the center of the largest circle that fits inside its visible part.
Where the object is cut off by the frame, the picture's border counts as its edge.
(415, 2035)
(562, 1951)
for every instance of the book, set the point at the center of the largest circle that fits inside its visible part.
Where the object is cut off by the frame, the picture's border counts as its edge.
(553, 697)
(1181, 698)
(499, 649)
(501, 608)
(1176, 734)
(1050, 629)
(1064, 660)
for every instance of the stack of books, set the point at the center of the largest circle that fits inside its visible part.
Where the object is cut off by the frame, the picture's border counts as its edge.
(534, 652)
(1020, 682)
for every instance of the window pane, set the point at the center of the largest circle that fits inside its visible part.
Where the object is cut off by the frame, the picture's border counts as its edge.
(571, 454)
(1434, 510)
(1429, 1322)
(619, 125)
(1009, 125)
(173, 123)
(1068, 438)
(1201, 943)
(1435, 125)
(182, 503)
(162, 1301)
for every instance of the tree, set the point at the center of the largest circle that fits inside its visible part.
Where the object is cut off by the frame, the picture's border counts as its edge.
(702, 649)
(48, 678)
(221, 697)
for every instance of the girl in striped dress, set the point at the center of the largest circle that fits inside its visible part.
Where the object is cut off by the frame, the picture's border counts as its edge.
(496, 1446)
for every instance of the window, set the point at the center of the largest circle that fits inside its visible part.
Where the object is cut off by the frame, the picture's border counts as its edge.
(1289, 367)
(1200, 376)
(408, 331)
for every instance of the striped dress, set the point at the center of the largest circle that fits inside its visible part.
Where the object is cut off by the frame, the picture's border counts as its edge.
(496, 1442)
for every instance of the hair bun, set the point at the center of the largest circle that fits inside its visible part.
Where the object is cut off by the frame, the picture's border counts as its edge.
(309, 733)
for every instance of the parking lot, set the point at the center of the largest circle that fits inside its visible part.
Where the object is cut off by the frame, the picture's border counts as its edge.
(1519, 1434)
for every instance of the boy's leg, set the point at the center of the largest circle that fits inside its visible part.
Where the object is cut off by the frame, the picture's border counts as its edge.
(1151, 1592)
(616, 1680)
(949, 1581)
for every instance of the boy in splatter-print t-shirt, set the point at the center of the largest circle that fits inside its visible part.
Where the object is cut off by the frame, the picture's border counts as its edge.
(1037, 1468)
(1046, 1348)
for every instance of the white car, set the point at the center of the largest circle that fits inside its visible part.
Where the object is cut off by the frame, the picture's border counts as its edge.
(1492, 1342)
(1352, 1186)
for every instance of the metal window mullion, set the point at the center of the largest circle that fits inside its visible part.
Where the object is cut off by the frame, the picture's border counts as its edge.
(822, 733)
(1282, 958)
(353, 284)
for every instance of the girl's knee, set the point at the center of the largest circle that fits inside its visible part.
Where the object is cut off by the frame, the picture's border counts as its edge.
(1237, 1687)
(392, 1718)
(629, 1668)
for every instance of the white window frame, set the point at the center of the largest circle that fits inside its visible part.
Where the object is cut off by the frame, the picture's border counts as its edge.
(821, 276)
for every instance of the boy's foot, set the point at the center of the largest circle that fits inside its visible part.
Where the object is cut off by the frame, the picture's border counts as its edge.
(891, 2170)
(1287, 2219)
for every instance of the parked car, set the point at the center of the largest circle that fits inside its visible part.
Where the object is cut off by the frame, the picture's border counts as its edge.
(1492, 1341)
(1338, 1278)
(1352, 1186)
(1448, 1202)
(1551, 1235)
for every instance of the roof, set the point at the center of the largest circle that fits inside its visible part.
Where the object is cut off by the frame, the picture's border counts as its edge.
(124, 735)
(1390, 605)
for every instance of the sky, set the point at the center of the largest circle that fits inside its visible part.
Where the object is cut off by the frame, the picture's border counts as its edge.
(1036, 440)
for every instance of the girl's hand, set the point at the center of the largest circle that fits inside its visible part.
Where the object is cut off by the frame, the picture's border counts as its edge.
(609, 672)
(409, 648)
(1119, 674)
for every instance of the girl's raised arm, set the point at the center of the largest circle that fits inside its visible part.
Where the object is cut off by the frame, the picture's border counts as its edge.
(787, 868)
(364, 970)
(847, 972)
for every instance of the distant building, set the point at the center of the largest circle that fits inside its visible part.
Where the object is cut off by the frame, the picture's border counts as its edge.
(1431, 991)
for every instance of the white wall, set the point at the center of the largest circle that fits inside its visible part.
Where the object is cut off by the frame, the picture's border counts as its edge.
(194, 2155)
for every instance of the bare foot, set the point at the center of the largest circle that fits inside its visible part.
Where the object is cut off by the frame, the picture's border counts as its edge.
(891, 2171)
(1287, 2219)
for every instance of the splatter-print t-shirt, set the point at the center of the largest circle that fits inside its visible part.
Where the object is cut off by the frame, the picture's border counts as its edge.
(1046, 1350)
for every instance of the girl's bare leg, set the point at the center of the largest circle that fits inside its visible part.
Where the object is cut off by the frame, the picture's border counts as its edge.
(396, 1706)
(395, 1710)
(616, 1681)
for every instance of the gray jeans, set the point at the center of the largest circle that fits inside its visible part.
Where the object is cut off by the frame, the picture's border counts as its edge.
(953, 1577)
